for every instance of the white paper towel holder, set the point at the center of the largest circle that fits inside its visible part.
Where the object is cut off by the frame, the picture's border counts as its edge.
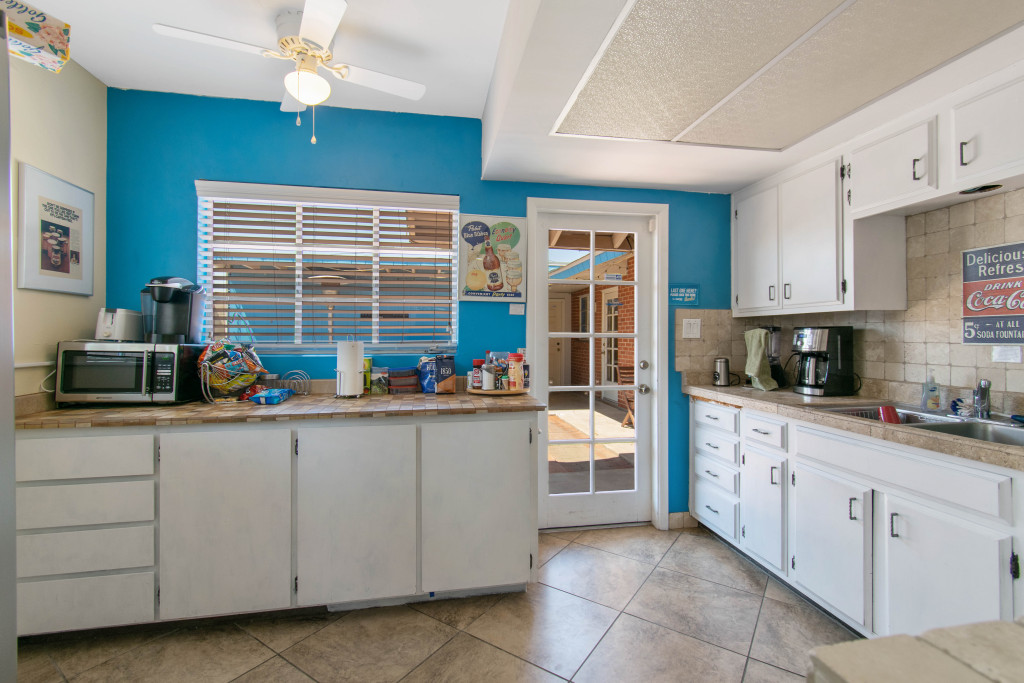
(349, 370)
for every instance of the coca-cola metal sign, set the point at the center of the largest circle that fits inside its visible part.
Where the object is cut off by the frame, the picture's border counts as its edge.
(994, 295)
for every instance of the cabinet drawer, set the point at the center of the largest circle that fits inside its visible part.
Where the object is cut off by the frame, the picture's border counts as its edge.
(718, 416)
(42, 507)
(70, 552)
(83, 458)
(89, 602)
(765, 431)
(715, 508)
(714, 442)
(713, 471)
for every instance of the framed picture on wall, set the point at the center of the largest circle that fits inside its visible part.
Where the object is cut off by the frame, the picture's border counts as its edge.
(55, 233)
(492, 258)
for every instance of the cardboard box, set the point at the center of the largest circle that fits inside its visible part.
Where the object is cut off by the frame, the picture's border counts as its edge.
(36, 36)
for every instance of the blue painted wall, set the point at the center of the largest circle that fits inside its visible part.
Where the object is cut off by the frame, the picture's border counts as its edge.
(159, 144)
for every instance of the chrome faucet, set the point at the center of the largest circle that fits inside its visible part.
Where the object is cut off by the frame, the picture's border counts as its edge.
(982, 401)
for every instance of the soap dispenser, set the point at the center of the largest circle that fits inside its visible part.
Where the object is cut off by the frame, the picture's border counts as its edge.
(930, 394)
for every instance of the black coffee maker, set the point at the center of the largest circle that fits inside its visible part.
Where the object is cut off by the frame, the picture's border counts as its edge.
(825, 362)
(172, 311)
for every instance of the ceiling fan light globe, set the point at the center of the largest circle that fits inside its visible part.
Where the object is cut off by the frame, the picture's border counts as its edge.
(307, 87)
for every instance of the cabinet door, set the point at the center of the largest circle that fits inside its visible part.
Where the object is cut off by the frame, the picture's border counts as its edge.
(225, 522)
(356, 506)
(475, 504)
(987, 132)
(893, 169)
(757, 251)
(938, 570)
(831, 539)
(810, 230)
(761, 504)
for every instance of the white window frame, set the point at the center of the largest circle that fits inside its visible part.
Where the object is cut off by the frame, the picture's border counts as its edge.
(288, 194)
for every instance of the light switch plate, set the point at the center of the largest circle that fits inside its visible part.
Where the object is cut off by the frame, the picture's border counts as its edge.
(1006, 354)
(691, 328)
(517, 309)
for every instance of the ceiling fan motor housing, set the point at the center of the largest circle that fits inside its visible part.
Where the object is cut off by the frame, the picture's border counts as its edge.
(291, 44)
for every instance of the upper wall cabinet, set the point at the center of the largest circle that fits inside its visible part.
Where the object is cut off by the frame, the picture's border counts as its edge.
(810, 238)
(893, 170)
(757, 250)
(988, 134)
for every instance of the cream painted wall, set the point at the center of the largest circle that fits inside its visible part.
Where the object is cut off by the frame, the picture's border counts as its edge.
(58, 125)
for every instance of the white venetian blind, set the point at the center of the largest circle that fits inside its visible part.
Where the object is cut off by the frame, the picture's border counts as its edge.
(289, 266)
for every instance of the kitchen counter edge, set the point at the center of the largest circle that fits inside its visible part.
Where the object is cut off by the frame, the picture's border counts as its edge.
(808, 409)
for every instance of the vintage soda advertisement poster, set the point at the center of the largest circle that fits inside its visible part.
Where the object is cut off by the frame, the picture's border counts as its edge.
(994, 295)
(60, 239)
(492, 258)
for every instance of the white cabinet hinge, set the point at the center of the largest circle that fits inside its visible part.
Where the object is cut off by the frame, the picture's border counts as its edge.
(296, 446)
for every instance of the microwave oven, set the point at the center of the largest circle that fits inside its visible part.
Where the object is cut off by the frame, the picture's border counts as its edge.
(127, 372)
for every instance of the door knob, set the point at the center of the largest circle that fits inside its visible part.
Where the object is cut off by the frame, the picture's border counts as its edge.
(644, 389)
(644, 365)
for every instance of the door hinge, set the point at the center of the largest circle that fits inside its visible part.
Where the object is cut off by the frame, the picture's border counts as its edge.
(842, 170)
(843, 286)
(743, 531)
(296, 585)
(792, 562)
(736, 213)
(296, 446)
(792, 478)
(531, 434)
(158, 452)
(531, 560)
(158, 596)
(737, 299)
(743, 458)
(1014, 566)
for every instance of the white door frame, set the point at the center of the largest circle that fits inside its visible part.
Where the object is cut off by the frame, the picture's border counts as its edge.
(657, 376)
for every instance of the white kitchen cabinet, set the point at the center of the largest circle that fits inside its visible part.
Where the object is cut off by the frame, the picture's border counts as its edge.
(476, 488)
(356, 507)
(936, 569)
(810, 237)
(988, 135)
(756, 245)
(762, 504)
(225, 522)
(830, 539)
(714, 474)
(896, 169)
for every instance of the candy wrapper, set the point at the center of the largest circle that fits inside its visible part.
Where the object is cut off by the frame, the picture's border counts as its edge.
(271, 397)
(228, 368)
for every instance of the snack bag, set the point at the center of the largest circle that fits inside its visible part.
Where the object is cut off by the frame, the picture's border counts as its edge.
(445, 374)
(428, 374)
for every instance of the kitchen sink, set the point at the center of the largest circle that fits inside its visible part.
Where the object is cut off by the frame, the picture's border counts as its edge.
(907, 415)
(983, 431)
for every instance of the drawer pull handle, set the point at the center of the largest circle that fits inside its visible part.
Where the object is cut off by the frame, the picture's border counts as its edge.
(892, 525)
(712, 474)
(760, 431)
(914, 170)
(712, 509)
(710, 445)
(711, 417)
(962, 146)
(853, 517)
(771, 476)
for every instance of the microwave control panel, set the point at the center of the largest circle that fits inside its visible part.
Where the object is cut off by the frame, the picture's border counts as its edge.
(163, 373)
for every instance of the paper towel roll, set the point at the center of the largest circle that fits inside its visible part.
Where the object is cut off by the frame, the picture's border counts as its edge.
(350, 369)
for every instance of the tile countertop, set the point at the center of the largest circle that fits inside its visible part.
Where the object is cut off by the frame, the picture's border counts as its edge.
(317, 406)
(806, 408)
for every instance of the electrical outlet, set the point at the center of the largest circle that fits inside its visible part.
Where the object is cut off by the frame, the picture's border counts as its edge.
(691, 328)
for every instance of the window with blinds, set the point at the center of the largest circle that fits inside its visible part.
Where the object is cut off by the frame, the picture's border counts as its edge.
(288, 267)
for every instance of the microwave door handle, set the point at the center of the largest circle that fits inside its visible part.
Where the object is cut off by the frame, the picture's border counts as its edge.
(147, 373)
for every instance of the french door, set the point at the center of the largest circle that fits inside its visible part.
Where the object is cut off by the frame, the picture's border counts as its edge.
(596, 450)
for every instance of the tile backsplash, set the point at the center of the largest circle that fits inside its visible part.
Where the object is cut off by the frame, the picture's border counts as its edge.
(894, 351)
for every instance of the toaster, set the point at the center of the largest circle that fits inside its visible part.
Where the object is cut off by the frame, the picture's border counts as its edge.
(118, 324)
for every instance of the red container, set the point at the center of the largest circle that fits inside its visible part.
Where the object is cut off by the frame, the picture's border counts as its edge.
(889, 414)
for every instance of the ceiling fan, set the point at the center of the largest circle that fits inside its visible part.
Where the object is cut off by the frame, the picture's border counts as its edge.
(306, 37)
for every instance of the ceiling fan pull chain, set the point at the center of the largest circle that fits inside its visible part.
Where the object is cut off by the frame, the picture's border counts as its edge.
(298, 119)
(313, 139)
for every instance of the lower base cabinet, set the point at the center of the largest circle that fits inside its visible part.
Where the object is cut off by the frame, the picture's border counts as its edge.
(936, 569)
(476, 495)
(356, 513)
(762, 504)
(830, 540)
(225, 522)
(85, 602)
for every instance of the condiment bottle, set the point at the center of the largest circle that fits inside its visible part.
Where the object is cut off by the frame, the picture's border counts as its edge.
(488, 377)
(476, 376)
(515, 372)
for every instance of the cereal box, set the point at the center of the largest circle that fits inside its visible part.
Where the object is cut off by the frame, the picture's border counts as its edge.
(37, 37)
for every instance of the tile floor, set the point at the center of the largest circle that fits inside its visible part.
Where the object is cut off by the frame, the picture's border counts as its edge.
(626, 604)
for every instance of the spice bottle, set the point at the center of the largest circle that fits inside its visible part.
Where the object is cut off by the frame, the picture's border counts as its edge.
(488, 377)
(515, 372)
(476, 376)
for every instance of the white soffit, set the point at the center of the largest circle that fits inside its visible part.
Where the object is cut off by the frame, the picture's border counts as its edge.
(765, 75)
(671, 61)
(869, 50)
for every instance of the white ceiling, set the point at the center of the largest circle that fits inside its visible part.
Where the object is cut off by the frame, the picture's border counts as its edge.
(520, 73)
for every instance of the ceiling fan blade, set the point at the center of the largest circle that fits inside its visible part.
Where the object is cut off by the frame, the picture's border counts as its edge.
(206, 39)
(320, 19)
(290, 104)
(383, 82)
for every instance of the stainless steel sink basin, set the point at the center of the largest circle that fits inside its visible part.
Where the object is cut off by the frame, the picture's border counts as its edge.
(907, 415)
(983, 431)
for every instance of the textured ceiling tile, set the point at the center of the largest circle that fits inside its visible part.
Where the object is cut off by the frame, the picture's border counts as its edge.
(872, 48)
(672, 60)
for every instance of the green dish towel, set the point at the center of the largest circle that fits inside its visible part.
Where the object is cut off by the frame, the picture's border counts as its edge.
(757, 361)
